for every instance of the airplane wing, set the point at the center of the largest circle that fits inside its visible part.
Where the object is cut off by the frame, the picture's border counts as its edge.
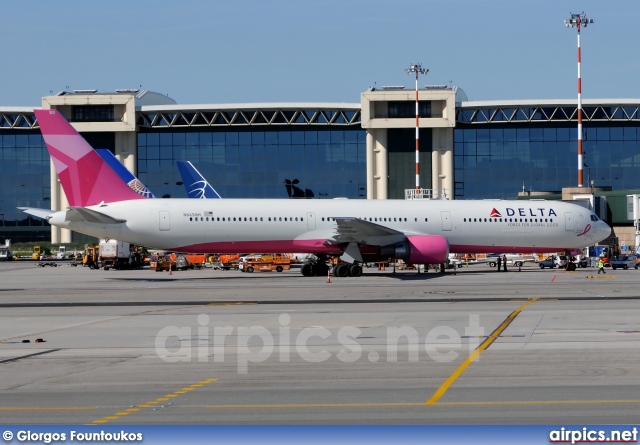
(355, 229)
(359, 231)
(355, 232)
(84, 214)
(39, 213)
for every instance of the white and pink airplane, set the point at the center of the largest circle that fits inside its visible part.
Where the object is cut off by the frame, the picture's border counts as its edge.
(416, 231)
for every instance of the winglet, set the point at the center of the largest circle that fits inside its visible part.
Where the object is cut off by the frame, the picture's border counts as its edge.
(197, 186)
(85, 177)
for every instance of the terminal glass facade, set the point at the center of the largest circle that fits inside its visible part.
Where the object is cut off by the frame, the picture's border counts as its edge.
(498, 160)
(24, 175)
(249, 163)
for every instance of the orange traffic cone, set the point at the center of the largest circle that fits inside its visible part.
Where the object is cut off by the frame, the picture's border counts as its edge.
(170, 273)
(329, 275)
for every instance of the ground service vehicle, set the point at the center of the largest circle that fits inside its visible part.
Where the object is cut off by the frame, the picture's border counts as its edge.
(5, 251)
(153, 261)
(515, 259)
(264, 263)
(197, 260)
(116, 254)
(226, 262)
(582, 261)
(561, 261)
(161, 262)
(183, 263)
(549, 262)
(37, 250)
(624, 262)
(91, 257)
(62, 251)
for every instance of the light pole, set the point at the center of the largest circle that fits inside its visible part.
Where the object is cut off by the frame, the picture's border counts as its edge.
(578, 20)
(417, 68)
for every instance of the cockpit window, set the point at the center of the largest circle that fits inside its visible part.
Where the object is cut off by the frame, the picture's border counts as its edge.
(594, 218)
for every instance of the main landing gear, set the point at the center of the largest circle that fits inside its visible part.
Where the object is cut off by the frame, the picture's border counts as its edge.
(318, 267)
(315, 269)
(347, 270)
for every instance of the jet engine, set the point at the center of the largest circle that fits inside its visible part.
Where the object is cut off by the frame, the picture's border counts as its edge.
(419, 249)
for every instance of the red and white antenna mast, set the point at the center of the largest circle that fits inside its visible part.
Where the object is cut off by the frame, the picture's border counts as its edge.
(417, 68)
(578, 20)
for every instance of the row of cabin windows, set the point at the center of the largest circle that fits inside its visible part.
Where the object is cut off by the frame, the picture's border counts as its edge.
(381, 219)
(290, 218)
(529, 220)
(245, 218)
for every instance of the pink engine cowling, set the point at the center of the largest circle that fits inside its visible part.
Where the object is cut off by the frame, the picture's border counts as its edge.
(428, 249)
(419, 249)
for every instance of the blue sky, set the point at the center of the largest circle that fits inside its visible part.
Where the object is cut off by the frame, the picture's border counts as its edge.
(315, 51)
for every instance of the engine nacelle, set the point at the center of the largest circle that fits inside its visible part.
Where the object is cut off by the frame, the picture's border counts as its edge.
(419, 249)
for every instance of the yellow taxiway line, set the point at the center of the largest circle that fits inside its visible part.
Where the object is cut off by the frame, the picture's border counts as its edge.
(484, 345)
(157, 401)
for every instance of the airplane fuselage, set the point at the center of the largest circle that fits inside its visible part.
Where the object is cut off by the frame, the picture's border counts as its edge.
(269, 225)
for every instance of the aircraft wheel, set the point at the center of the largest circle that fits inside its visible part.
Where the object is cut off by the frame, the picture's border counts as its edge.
(356, 270)
(321, 270)
(341, 271)
(306, 270)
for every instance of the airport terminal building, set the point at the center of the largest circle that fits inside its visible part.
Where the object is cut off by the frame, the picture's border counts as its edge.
(363, 150)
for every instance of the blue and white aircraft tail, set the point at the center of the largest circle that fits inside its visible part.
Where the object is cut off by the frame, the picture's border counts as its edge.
(125, 174)
(197, 186)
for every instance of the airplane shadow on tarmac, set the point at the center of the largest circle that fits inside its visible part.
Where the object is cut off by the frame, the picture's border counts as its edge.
(402, 276)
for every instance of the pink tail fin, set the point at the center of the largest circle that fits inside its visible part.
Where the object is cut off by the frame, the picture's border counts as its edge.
(85, 177)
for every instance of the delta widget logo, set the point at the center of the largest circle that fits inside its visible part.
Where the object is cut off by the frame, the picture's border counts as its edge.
(495, 213)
